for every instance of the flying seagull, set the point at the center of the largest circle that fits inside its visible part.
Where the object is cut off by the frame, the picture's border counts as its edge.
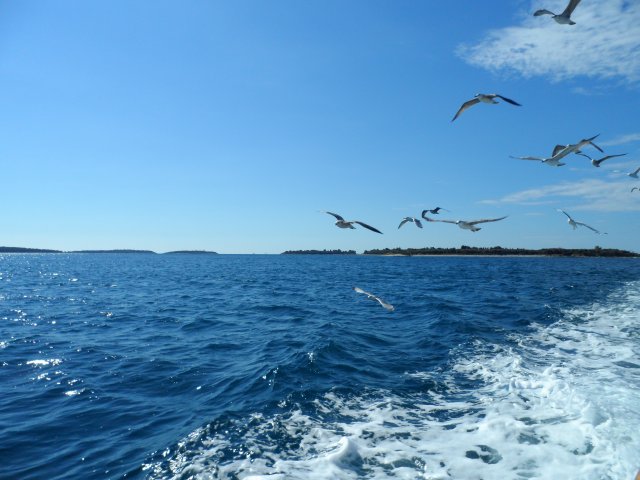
(410, 219)
(371, 296)
(634, 174)
(342, 223)
(565, 17)
(485, 98)
(561, 151)
(551, 161)
(467, 224)
(596, 163)
(560, 148)
(575, 224)
(433, 211)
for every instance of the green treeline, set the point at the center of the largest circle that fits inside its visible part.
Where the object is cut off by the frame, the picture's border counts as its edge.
(319, 252)
(498, 251)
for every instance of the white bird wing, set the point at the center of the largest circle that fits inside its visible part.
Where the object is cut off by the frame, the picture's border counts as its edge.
(367, 226)
(386, 305)
(359, 290)
(404, 220)
(570, 8)
(485, 220)
(634, 188)
(417, 222)
(508, 100)
(464, 106)
(338, 217)
(585, 225)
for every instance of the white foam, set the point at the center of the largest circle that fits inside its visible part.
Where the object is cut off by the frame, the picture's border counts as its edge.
(560, 403)
(44, 362)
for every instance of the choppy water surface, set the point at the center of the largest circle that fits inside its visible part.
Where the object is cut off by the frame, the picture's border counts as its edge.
(271, 367)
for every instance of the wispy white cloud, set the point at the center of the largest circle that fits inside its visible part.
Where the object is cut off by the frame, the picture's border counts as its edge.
(622, 139)
(593, 195)
(604, 43)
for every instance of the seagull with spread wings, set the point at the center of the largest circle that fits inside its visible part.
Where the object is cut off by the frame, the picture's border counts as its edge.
(467, 224)
(551, 161)
(561, 151)
(575, 224)
(342, 223)
(596, 163)
(484, 98)
(371, 296)
(575, 148)
(565, 17)
(410, 219)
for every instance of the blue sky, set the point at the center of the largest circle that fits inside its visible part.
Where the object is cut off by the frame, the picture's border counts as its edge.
(229, 126)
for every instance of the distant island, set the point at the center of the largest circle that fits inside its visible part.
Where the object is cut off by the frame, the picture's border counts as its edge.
(464, 250)
(26, 250)
(122, 250)
(145, 252)
(191, 252)
(499, 251)
(319, 252)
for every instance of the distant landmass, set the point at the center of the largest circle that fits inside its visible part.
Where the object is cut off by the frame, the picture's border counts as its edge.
(463, 250)
(121, 250)
(191, 252)
(26, 250)
(113, 251)
(319, 252)
(499, 251)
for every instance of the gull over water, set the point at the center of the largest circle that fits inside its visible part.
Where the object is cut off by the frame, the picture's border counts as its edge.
(467, 224)
(371, 296)
(576, 224)
(342, 223)
(484, 98)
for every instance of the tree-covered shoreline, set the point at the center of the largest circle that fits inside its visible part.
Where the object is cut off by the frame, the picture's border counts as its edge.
(319, 252)
(465, 250)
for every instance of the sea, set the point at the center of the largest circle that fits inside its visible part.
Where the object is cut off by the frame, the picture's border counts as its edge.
(271, 367)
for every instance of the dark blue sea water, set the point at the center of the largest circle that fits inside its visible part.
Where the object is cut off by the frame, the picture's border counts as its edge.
(272, 367)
